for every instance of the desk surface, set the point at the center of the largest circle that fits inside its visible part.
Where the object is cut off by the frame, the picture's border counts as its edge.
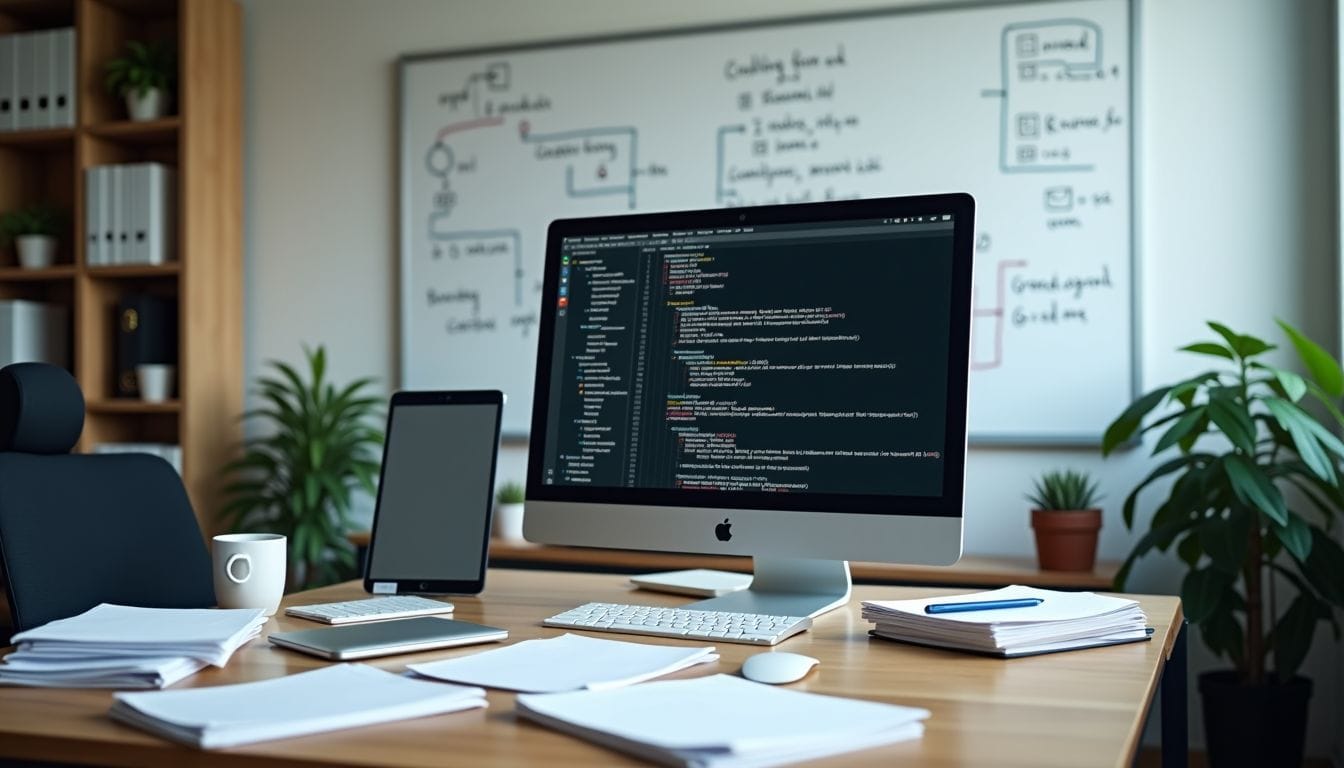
(1073, 709)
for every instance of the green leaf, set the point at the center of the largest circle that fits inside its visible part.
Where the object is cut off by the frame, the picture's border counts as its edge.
(1254, 489)
(1294, 386)
(1146, 543)
(1324, 567)
(1201, 592)
(1235, 422)
(1180, 430)
(1305, 442)
(1162, 471)
(1320, 364)
(1244, 346)
(1189, 550)
(1209, 348)
(1124, 427)
(1296, 536)
(1225, 541)
(1291, 637)
(1222, 634)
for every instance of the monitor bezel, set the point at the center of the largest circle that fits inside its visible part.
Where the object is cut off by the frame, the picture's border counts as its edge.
(948, 504)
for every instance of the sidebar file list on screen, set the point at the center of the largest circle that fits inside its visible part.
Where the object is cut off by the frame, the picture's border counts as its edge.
(435, 496)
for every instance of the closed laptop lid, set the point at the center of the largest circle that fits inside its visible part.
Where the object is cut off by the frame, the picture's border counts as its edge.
(384, 638)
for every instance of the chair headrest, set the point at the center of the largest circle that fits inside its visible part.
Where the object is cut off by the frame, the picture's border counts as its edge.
(41, 409)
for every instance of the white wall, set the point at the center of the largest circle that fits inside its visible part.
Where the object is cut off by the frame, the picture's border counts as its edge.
(1236, 197)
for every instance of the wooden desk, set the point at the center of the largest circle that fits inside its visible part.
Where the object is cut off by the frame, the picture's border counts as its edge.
(1075, 709)
(971, 570)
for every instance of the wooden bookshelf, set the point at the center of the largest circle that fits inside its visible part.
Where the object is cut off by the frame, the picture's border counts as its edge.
(202, 140)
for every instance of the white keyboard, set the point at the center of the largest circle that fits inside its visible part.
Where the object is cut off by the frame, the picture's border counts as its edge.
(370, 609)
(754, 628)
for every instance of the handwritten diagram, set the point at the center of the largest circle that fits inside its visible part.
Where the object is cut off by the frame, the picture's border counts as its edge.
(1027, 111)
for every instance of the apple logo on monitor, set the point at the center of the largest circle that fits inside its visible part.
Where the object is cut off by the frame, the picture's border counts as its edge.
(724, 530)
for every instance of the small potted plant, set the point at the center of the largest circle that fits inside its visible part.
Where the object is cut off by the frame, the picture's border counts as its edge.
(34, 232)
(1066, 520)
(509, 511)
(144, 77)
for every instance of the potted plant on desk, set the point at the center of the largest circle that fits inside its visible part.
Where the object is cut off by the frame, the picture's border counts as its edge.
(1242, 434)
(509, 511)
(1066, 521)
(317, 443)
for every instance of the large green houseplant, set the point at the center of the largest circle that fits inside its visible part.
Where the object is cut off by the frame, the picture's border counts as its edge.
(1255, 485)
(317, 444)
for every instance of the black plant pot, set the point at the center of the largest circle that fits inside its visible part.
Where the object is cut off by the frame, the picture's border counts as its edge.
(1254, 725)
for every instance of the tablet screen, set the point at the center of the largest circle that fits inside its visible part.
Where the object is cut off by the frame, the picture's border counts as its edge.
(433, 514)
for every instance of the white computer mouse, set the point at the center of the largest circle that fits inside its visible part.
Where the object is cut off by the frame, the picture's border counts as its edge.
(778, 667)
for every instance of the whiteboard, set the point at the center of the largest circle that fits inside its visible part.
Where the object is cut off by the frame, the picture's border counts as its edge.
(1026, 106)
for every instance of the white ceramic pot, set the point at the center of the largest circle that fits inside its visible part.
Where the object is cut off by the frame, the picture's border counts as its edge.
(36, 251)
(152, 105)
(509, 522)
(156, 381)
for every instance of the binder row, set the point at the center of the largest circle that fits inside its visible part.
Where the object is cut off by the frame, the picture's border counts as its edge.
(37, 80)
(130, 214)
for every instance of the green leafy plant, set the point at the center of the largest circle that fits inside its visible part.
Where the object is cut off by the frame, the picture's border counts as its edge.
(37, 220)
(321, 442)
(144, 67)
(1064, 490)
(1256, 487)
(510, 493)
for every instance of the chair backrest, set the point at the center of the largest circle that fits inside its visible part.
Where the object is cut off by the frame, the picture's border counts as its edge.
(79, 530)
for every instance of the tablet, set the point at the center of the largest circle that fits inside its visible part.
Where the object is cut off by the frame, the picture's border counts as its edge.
(431, 524)
(385, 638)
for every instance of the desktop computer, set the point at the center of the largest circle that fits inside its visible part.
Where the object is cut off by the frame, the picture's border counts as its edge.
(787, 382)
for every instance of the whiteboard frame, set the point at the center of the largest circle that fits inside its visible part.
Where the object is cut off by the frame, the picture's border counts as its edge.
(405, 163)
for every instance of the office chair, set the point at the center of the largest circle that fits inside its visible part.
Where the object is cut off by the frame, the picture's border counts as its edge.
(78, 530)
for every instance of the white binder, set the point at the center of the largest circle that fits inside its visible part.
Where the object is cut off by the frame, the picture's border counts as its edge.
(41, 65)
(24, 69)
(62, 74)
(9, 76)
(161, 195)
(142, 209)
(92, 235)
(105, 215)
(117, 188)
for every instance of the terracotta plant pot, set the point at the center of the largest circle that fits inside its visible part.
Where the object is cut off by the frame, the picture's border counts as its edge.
(1066, 540)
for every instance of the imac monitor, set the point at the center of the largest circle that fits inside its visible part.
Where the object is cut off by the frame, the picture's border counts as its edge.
(787, 382)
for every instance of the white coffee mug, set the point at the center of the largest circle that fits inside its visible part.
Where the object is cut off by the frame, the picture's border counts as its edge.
(250, 570)
(156, 381)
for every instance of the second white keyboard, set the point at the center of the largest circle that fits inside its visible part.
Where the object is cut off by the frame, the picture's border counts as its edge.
(370, 609)
(719, 626)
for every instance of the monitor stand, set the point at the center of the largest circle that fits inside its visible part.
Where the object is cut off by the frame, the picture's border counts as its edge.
(787, 587)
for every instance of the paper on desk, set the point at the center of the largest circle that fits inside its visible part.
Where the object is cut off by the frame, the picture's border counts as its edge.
(566, 663)
(326, 699)
(1056, 606)
(722, 720)
(208, 634)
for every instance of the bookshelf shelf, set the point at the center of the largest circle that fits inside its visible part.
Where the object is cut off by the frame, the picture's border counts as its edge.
(125, 271)
(202, 142)
(129, 406)
(143, 132)
(43, 137)
(19, 274)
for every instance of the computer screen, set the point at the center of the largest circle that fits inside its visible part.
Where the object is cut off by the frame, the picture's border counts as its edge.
(756, 361)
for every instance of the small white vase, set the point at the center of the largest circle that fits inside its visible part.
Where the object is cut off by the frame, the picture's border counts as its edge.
(36, 251)
(151, 105)
(509, 522)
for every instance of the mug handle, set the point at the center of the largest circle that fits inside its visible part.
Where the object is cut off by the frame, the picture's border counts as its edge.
(228, 567)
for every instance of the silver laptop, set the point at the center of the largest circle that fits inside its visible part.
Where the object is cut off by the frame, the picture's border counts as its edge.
(387, 638)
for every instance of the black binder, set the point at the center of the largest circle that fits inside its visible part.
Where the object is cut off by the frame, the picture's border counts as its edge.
(146, 333)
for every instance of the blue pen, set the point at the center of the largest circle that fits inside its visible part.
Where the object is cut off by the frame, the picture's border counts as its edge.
(982, 605)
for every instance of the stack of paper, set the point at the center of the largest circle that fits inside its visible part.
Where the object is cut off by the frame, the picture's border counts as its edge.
(723, 721)
(1062, 621)
(567, 663)
(327, 699)
(116, 646)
